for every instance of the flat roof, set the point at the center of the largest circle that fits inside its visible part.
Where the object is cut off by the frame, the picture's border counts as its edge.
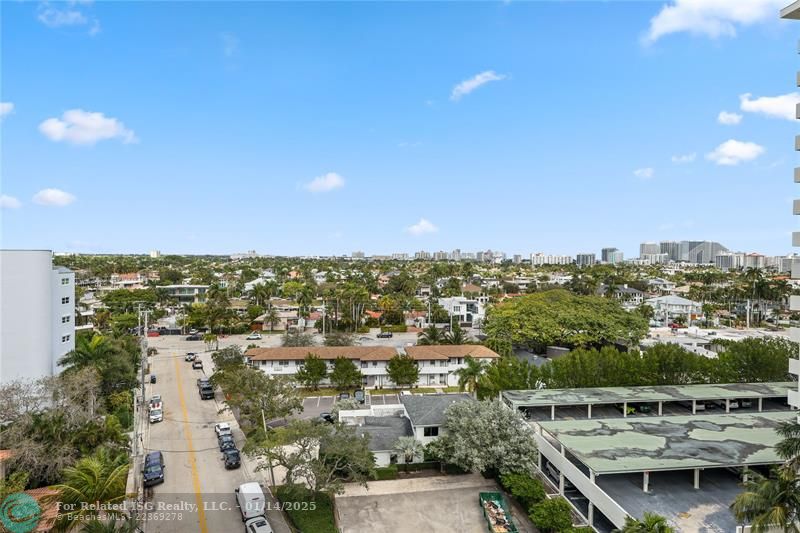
(624, 445)
(792, 11)
(668, 393)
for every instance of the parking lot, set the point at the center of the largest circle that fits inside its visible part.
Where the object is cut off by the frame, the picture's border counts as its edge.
(314, 405)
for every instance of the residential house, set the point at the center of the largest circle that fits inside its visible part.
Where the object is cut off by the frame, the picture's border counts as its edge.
(669, 307)
(426, 412)
(130, 280)
(187, 294)
(383, 433)
(628, 296)
(288, 313)
(438, 363)
(465, 311)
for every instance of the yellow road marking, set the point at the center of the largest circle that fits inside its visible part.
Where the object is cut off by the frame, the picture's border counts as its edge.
(201, 515)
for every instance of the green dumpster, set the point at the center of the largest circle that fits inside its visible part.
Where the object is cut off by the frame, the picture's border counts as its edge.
(496, 512)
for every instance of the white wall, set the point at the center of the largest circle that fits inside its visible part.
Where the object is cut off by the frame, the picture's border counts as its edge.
(30, 315)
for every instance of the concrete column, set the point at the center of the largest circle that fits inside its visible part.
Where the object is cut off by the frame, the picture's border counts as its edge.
(727, 405)
(697, 478)
(646, 481)
(589, 406)
(745, 475)
(624, 409)
(760, 404)
(694, 407)
(590, 518)
(552, 412)
(660, 408)
(539, 460)
(591, 476)
(561, 483)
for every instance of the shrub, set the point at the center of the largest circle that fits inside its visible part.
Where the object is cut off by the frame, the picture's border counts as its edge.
(413, 467)
(396, 328)
(552, 516)
(453, 469)
(363, 329)
(387, 472)
(526, 489)
(319, 520)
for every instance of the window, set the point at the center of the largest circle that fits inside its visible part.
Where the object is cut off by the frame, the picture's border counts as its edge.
(374, 364)
(65, 319)
(65, 338)
(456, 308)
(65, 300)
(363, 364)
(283, 363)
(431, 431)
(65, 281)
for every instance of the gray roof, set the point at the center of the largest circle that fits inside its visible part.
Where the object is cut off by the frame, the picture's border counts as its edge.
(428, 409)
(610, 446)
(384, 431)
(667, 393)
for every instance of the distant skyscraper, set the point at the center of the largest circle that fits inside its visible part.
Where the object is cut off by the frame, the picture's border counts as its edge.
(672, 249)
(517, 259)
(357, 255)
(585, 260)
(648, 248)
(422, 254)
(155, 254)
(611, 255)
(456, 255)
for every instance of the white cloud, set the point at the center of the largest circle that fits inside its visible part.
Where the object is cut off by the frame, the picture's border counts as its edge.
(422, 227)
(782, 106)
(77, 126)
(230, 44)
(733, 152)
(66, 14)
(326, 182)
(9, 202)
(729, 119)
(6, 108)
(712, 18)
(467, 86)
(685, 158)
(53, 197)
(644, 173)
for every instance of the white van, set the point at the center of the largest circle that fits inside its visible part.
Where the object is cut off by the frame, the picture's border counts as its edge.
(250, 500)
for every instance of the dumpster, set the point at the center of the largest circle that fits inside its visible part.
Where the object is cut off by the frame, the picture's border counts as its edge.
(496, 512)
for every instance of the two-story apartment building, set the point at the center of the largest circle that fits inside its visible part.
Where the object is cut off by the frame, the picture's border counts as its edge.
(464, 310)
(187, 294)
(437, 364)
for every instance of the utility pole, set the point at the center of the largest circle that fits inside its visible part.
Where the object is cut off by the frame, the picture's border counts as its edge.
(266, 437)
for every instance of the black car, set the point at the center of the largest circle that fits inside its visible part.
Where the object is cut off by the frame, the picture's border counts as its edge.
(194, 337)
(326, 417)
(153, 469)
(385, 335)
(152, 378)
(226, 442)
(232, 459)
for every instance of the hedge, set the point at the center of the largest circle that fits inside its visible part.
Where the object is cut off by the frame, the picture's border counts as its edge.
(306, 520)
(397, 328)
(528, 490)
(387, 472)
(413, 467)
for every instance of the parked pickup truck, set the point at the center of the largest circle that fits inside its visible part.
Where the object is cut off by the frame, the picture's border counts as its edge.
(496, 513)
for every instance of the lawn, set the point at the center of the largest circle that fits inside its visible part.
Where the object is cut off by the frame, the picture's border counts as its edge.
(307, 520)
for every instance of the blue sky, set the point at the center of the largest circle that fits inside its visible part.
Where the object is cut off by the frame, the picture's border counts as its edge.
(322, 128)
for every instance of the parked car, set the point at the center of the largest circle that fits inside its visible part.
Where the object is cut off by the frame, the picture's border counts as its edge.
(232, 459)
(359, 396)
(202, 382)
(223, 428)
(385, 335)
(193, 337)
(190, 356)
(193, 331)
(253, 337)
(197, 365)
(226, 442)
(258, 524)
(156, 414)
(206, 391)
(250, 500)
(344, 395)
(152, 378)
(326, 417)
(154, 399)
(153, 469)
(746, 403)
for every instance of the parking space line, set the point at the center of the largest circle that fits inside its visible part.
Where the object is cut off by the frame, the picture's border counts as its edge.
(318, 399)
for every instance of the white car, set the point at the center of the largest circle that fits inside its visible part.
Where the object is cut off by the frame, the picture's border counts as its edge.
(258, 524)
(156, 414)
(223, 428)
(254, 337)
(155, 399)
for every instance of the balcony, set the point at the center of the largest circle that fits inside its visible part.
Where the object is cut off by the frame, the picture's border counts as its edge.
(794, 366)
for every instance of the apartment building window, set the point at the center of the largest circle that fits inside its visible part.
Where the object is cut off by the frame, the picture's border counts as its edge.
(374, 364)
(363, 364)
(430, 431)
(65, 300)
(433, 363)
(283, 363)
(65, 338)
(65, 319)
(65, 281)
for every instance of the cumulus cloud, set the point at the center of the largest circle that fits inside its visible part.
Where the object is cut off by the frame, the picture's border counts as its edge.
(733, 152)
(729, 119)
(53, 197)
(6, 108)
(467, 86)
(326, 182)
(422, 227)
(9, 202)
(66, 14)
(684, 158)
(712, 18)
(782, 106)
(644, 173)
(77, 126)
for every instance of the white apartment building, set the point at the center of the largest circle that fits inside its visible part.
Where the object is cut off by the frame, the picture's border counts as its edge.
(585, 259)
(37, 314)
(539, 259)
(437, 364)
(128, 280)
(461, 309)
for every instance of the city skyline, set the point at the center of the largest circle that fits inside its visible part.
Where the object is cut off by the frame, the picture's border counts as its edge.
(272, 120)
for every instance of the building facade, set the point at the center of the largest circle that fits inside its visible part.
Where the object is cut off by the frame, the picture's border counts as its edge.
(37, 314)
(587, 259)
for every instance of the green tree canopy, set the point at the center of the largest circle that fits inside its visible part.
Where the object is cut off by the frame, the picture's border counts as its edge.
(313, 371)
(403, 370)
(345, 374)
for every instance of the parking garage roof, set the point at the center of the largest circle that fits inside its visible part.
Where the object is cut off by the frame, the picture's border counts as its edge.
(667, 393)
(625, 445)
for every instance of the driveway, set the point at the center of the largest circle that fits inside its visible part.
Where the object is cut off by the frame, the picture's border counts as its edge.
(441, 504)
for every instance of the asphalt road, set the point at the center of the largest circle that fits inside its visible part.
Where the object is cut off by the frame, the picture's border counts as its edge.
(198, 493)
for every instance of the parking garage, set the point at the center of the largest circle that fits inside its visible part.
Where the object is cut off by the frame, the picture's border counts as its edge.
(686, 468)
(663, 400)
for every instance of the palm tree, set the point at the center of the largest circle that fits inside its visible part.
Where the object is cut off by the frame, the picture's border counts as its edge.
(456, 336)
(770, 502)
(271, 317)
(98, 479)
(650, 523)
(408, 447)
(260, 293)
(468, 375)
(789, 447)
(89, 351)
(430, 336)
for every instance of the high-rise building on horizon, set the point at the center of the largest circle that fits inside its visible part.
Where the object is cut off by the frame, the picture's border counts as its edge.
(611, 256)
(586, 259)
(37, 314)
(649, 248)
